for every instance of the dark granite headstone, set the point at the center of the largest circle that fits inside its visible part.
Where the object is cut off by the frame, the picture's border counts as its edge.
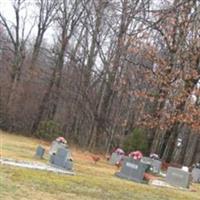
(132, 170)
(178, 177)
(39, 152)
(62, 159)
(115, 158)
(196, 175)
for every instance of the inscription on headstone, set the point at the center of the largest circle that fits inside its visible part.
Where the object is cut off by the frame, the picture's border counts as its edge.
(131, 165)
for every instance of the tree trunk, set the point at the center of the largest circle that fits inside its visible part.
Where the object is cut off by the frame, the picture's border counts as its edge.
(43, 104)
(191, 148)
(180, 150)
(197, 151)
(167, 155)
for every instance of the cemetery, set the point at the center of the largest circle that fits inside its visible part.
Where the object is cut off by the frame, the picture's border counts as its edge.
(54, 160)
(134, 167)
(100, 99)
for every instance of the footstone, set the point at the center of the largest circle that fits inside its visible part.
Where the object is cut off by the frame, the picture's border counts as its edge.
(132, 170)
(196, 175)
(40, 152)
(178, 177)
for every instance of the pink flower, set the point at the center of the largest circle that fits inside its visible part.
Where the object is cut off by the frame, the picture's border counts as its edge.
(119, 151)
(61, 139)
(136, 155)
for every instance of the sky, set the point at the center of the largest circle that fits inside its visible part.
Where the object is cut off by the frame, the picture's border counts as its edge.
(7, 10)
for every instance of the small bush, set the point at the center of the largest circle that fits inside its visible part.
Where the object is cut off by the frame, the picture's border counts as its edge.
(136, 141)
(49, 130)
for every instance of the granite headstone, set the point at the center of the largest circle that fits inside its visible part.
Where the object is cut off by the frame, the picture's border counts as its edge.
(196, 175)
(62, 159)
(178, 177)
(147, 160)
(115, 158)
(132, 170)
(155, 164)
(55, 146)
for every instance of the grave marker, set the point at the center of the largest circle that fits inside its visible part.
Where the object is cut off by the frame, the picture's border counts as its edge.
(115, 158)
(62, 159)
(147, 160)
(178, 177)
(155, 164)
(55, 146)
(132, 170)
(196, 175)
(39, 152)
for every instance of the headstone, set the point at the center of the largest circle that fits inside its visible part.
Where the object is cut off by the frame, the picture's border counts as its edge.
(147, 160)
(196, 175)
(39, 152)
(155, 164)
(178, 177)
(132, 170)
(115, 158)
(55, 146)
(62, 159)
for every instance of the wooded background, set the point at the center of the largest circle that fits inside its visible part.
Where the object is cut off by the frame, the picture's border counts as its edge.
(111, 68)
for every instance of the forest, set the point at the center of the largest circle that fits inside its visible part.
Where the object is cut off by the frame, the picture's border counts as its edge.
(104, 74)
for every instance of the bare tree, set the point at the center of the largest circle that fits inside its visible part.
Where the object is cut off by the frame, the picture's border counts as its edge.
(68, 16)
(47, 12)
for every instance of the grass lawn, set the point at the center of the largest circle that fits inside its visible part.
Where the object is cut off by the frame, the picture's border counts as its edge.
(90, 182)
